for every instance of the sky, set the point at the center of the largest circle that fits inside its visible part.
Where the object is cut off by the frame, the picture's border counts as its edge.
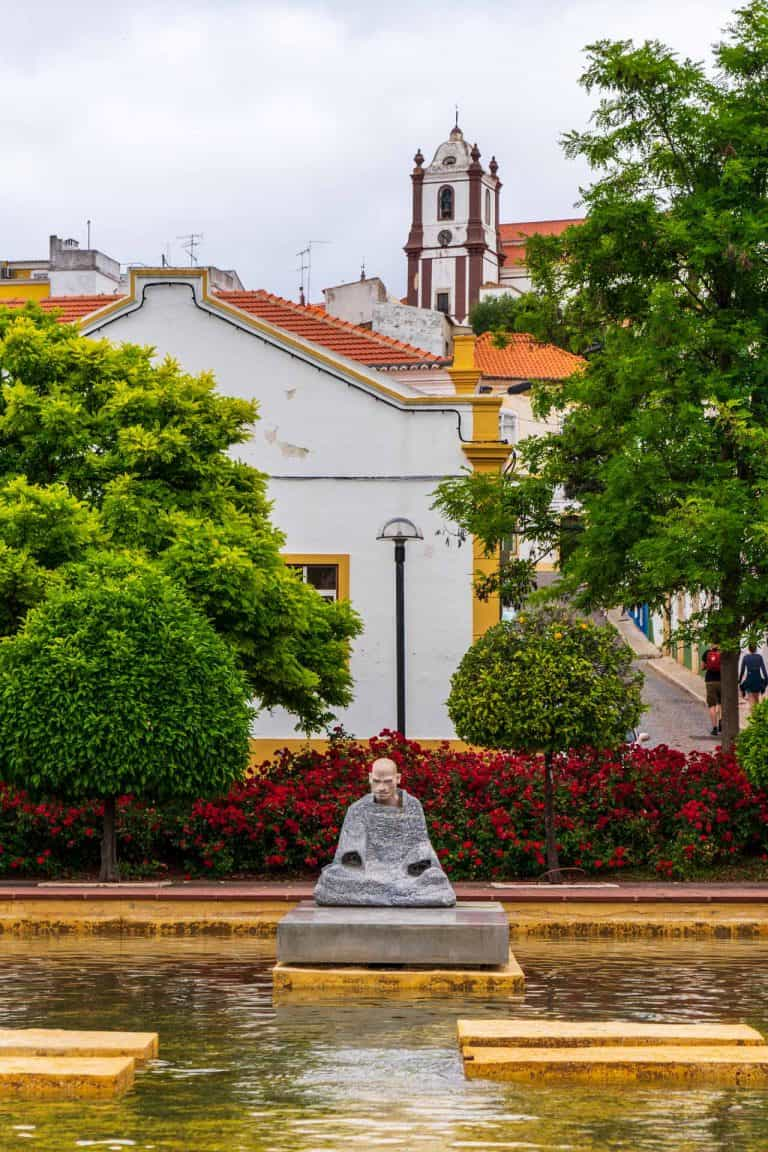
(263, 126)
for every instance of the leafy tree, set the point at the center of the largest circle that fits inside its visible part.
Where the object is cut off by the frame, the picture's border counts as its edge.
(101, 448)
(504, 314)
(116, 684)
(547, 682)
(752, 747)
(664, 444)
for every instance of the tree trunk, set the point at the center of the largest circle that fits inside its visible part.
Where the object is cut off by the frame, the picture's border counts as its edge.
(553, 860)
(729, 688)
(109, 870)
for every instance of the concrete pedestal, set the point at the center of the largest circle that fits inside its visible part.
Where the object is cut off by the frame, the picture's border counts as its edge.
(465, 936)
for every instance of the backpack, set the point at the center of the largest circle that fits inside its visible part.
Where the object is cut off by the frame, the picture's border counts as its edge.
(712, 661)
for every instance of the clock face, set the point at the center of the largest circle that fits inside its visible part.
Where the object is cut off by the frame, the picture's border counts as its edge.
(444, 238)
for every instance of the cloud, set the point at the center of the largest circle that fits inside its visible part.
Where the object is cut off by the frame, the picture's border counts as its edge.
(265, 125)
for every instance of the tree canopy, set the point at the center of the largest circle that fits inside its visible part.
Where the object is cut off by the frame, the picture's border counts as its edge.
(663, 450)
(102, 450)
(117, 684)
(547, 681)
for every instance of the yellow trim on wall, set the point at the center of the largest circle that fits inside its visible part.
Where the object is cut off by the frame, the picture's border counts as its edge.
(266, 748)
(340, 559)
(24, 290)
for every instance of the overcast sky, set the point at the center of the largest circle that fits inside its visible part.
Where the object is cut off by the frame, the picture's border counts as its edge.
(266, 125)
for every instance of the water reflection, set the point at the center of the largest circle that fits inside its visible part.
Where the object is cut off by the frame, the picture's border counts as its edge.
(236, 1074)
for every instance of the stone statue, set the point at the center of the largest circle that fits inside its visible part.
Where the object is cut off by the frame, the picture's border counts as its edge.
(384, 856)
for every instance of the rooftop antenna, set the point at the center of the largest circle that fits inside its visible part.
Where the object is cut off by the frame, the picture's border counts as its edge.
(306, 266)
(190, 244)
(362, 269)
(457, 115)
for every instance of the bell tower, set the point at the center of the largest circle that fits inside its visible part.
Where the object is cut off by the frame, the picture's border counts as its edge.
(454, 245)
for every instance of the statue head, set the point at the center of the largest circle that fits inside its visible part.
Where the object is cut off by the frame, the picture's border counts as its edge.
(384, 778)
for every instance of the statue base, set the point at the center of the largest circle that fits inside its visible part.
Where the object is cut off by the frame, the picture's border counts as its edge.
(312, 982)
(468, 935)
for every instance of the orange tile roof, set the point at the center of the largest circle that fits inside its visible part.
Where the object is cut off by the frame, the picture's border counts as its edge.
(72, 308)
(524, 358)
(514, 236)
(312, 322)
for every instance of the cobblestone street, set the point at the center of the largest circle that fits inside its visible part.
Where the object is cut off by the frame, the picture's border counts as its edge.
(674, 717)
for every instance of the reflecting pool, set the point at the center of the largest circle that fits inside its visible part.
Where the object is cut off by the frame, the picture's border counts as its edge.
(237, 1075)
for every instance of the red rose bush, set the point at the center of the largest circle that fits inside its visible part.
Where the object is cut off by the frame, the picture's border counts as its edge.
(654, 809)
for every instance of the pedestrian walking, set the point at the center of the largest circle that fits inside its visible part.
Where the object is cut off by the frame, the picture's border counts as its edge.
(753, 678)
(711, 664)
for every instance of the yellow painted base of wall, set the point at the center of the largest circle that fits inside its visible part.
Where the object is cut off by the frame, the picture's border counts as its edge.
(28, 916)
(263, 748)
(301, 980)
(626, 921)
(64, 1077)
(726, 1064)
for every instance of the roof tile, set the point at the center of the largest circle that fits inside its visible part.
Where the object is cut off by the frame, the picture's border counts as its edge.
(524, 358)
(71, 308)
(515, 235)
(312, 322)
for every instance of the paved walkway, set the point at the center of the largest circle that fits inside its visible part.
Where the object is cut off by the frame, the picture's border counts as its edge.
(674, 717)
(290, 891)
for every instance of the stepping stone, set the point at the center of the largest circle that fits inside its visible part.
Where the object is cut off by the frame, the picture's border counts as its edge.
(64, 1077)
(64, 1042)
(524, 1033)
(733, 1065)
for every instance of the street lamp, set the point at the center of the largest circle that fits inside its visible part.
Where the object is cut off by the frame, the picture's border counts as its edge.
(399, 531)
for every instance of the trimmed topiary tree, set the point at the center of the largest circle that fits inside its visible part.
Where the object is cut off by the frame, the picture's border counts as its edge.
(117, 684)
(752, 747)
(547, 682)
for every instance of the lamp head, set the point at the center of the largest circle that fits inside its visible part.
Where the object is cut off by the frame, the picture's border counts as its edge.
(399, 530)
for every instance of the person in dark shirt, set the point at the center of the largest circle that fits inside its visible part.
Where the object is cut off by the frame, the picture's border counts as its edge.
(753, 678)
(710, 662)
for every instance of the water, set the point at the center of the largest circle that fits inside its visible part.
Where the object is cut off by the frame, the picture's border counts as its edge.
(237, 1075)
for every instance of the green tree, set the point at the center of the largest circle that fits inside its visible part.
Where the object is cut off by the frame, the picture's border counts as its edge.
(116, 684)
(547, 682)
(664, 444)
(102, 448)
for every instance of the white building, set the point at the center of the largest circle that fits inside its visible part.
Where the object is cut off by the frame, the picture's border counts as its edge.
(346, 447)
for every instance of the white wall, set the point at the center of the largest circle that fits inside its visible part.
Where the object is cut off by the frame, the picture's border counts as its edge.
(82, 282)
(342, 463)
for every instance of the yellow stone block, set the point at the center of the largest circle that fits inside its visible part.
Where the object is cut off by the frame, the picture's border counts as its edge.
(300, 980)
(698, 1064)
(64, 1077)
(524, 1033)
(65, 1042)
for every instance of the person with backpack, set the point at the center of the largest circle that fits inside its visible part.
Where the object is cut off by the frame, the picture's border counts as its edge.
(753, 678)
(710, 662)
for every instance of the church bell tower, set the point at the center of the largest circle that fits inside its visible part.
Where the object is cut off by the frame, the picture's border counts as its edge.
(454, 245)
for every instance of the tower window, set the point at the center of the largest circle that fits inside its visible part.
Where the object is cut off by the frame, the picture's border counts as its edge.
(445, 203)
(487, 206)
(443, 302)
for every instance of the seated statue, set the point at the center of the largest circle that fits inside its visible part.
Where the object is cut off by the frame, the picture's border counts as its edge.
(384, 856)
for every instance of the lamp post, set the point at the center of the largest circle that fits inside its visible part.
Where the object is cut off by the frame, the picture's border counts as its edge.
(399, 531)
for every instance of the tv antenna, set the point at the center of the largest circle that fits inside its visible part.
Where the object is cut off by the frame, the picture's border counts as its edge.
(190, 243)
(305, 265)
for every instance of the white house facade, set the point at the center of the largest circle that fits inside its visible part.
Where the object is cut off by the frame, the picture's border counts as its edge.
(346, 449)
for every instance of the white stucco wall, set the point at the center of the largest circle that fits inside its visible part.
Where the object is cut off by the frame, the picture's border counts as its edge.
(342, 463)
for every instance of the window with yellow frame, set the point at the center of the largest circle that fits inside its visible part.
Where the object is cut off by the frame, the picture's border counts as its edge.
(328, 573)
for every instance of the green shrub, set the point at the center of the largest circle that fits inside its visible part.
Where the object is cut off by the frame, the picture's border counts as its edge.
(752, 746)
